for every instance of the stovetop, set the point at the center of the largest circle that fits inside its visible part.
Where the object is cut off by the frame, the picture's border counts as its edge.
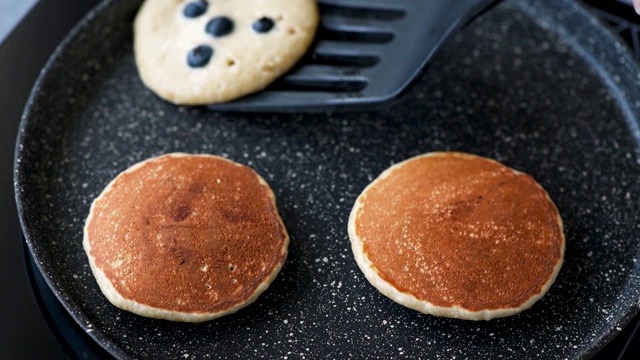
(33, 324)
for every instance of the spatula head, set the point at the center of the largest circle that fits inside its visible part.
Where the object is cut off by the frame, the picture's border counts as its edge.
(366, 53)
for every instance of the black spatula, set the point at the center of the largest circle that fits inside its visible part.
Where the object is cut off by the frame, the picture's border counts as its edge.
(366, 53)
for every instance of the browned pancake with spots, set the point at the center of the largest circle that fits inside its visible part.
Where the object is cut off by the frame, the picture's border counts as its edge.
(457, 235)
(185, 238)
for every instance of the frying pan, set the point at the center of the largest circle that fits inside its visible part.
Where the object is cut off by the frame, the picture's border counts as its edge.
(538, 85)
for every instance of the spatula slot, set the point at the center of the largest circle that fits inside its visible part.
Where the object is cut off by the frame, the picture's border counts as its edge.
(318, 85)
(355, 36)
(380, 13)
(344, 60)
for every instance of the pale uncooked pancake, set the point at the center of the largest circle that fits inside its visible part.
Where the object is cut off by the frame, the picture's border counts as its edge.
(197, 52)
(457, 235)
(185, 238)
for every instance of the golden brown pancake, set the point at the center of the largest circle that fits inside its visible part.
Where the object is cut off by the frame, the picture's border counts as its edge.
(457, 235)
(185, 238)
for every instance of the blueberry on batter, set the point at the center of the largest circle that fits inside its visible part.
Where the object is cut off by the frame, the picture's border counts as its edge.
(263, 25)
(219, 26)
(195, 9)
(199, 56)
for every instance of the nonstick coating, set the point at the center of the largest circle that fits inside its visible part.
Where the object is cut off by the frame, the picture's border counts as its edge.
(538, 85)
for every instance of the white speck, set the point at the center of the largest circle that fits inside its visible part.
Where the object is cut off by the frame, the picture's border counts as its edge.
(285, 321)
(325, 259)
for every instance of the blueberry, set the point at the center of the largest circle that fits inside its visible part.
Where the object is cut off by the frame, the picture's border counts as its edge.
(195, 9)
(219, 26)
(263, 25)
(200, 56)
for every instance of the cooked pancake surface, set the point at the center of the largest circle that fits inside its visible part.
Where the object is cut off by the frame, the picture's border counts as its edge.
(185, 238)
(457, 235)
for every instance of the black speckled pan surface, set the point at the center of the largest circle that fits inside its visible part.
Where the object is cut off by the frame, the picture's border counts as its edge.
(537, 85)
